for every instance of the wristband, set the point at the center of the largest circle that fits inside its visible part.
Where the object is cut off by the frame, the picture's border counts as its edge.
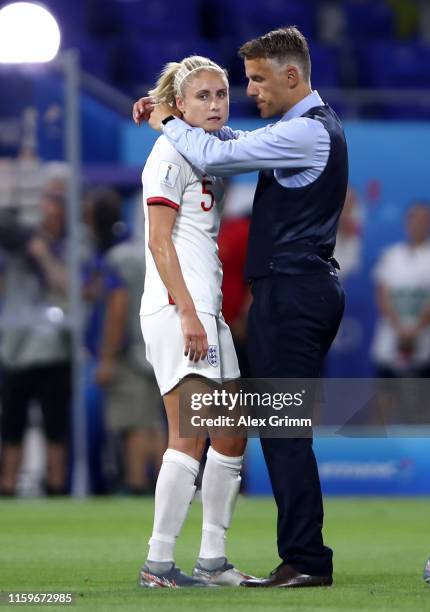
(167, 119)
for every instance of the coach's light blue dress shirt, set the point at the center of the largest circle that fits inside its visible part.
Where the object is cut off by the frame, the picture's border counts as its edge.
(296, 147)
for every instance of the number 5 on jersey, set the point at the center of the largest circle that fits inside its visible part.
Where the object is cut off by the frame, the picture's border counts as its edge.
(207, 207)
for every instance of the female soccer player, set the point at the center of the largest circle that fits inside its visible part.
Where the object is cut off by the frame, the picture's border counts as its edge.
(183, 328)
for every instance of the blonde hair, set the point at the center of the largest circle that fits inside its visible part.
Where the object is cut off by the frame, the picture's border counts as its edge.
(174, 75)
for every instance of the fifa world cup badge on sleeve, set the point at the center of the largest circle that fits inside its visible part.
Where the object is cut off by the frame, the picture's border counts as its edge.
(168, 173)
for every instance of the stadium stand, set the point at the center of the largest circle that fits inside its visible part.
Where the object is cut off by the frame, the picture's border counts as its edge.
(380, 44)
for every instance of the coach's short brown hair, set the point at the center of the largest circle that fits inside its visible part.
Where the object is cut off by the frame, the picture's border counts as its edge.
(283, 44)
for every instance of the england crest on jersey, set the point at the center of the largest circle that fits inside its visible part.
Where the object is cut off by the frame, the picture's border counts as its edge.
(213, 355)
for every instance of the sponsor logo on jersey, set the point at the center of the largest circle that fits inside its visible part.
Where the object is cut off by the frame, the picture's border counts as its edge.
(168, 173)
(213, 355)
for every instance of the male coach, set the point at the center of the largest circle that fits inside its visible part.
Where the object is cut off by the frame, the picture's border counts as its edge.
(298, 301)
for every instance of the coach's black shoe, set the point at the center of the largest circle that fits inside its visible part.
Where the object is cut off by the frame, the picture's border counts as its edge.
(172, 579)
(285, 576)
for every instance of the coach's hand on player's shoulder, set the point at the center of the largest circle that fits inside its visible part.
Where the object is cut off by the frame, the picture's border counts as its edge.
(195, 338)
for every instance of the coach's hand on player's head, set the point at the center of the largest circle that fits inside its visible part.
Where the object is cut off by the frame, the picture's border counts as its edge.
(195, 339)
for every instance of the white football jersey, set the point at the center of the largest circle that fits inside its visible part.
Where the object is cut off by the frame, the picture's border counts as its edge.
(169, 180)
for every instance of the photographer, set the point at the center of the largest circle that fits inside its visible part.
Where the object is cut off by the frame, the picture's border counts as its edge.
(35, 349)
(113, 284)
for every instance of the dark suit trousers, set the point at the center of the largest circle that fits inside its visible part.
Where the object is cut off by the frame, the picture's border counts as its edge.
(292, 323)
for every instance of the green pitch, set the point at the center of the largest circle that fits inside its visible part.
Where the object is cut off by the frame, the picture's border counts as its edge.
(94, 549)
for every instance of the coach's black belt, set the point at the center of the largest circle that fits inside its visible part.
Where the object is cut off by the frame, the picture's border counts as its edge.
(310, 249)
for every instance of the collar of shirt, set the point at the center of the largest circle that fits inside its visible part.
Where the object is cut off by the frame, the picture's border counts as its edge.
(311, 100)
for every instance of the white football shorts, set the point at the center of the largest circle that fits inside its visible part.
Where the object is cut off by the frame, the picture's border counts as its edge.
(164, 342)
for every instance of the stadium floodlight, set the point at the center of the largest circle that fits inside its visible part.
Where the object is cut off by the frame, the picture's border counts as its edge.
(28, 34)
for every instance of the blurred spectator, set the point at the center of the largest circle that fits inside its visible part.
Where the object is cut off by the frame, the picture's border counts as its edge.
(35, 349)
(401, 346)
(114, 280)
(233, 242)
(331, 21)
(56, 177)
(348, 240)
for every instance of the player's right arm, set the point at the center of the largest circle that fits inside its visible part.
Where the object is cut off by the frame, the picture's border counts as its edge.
(163, 205)
(161, 222)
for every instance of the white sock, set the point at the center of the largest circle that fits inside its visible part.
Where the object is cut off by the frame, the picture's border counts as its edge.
(173, 495)
(220, 487)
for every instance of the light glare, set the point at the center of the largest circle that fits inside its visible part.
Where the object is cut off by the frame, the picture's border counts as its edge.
(28, 33)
